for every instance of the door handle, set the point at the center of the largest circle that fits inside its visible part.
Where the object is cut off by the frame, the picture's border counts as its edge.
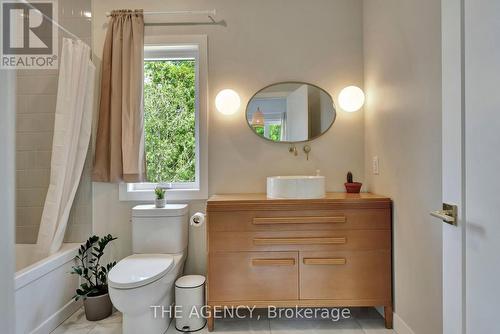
(449, 214)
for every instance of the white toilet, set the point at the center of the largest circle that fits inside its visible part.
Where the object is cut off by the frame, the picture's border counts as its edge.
(142, 284)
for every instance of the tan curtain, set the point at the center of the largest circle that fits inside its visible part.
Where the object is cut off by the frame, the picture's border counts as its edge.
(119, 154)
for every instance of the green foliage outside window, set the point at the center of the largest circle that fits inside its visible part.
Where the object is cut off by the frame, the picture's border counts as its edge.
(274, 132)
(259, 129)
(169, 120)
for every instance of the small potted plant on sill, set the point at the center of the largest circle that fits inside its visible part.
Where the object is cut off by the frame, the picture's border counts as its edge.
(352, 187)
(160, 200)
(94, 288)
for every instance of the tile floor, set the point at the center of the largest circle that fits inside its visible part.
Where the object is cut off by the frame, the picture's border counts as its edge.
(363, 321)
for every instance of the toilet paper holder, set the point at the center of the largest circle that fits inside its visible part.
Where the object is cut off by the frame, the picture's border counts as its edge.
(197, 219)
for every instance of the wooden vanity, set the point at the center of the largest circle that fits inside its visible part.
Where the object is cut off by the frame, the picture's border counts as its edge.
(331, 252)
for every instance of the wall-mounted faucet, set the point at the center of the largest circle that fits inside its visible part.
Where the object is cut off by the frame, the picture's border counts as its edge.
(293, 149)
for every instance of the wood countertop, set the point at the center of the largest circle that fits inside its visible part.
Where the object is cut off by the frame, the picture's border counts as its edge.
(260, 201)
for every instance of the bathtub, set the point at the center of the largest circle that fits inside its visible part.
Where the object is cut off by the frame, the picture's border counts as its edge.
(44, 289)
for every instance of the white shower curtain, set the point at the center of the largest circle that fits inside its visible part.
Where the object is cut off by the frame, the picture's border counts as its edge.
(72, 130)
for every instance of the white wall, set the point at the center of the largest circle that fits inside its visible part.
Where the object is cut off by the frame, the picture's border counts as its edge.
(402, 49)
(482, 142)
(264, 42)
(7, 196)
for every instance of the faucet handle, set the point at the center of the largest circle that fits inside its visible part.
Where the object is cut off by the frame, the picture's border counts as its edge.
(307, 150)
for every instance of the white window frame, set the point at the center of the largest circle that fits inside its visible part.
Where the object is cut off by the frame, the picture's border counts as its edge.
(188, 190)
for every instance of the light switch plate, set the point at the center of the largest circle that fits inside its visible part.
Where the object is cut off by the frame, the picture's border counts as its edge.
(375, 164)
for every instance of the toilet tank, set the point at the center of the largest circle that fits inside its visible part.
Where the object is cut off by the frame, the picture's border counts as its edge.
(159, 230)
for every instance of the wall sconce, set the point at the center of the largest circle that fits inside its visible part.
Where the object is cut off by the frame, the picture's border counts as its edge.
(351, 99)
(227, 102)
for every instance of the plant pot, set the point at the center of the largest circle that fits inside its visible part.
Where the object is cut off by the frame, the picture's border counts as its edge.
(353, 188)
(98, 307)
(160, 203)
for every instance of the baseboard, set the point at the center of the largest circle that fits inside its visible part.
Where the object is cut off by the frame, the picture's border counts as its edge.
(58, 318)
(400, 326)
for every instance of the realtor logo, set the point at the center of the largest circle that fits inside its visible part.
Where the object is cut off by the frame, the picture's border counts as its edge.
(29, 35)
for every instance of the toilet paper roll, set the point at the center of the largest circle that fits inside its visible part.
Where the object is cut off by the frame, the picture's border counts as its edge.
(197, 219)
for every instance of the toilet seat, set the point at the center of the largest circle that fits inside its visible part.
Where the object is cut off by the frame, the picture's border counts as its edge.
(139, 269)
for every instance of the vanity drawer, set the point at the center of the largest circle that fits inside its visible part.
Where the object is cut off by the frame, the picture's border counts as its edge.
(299, 240)
(365, 219)
(253, 276)
(360, 275)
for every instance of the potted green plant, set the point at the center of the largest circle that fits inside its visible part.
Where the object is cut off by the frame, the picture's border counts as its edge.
(350, 186)
(94, 275)
(160, 200)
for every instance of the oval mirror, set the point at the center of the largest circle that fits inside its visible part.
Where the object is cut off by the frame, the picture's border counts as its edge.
(290, 112)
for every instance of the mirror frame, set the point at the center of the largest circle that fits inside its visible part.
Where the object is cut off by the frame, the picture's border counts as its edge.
(291, 142)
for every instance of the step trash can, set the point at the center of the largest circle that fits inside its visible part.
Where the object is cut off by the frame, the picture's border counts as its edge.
(190, 302)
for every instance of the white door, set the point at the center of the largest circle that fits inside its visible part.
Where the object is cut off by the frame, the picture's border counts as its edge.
(471, 165)
(482, 165)
(7, 175)
(297, 117)
(453, 161)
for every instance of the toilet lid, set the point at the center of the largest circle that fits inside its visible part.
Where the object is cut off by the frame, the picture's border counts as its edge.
(139, 269)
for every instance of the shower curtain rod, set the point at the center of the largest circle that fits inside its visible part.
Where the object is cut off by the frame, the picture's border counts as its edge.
(60, 27)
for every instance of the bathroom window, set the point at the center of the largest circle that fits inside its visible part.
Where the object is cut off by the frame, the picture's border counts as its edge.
(175, 119)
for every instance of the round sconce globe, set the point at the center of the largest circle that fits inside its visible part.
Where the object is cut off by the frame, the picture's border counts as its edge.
(227, 102)
(351, 99)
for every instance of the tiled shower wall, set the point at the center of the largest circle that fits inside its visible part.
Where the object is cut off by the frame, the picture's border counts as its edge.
(36, 104)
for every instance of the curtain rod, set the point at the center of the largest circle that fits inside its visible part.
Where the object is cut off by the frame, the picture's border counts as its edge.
(209, 13)
(180, 12)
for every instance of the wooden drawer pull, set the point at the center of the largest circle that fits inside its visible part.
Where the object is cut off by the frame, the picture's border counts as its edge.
(324, 261)
(299, 241)
(273, 262)
(298, 220)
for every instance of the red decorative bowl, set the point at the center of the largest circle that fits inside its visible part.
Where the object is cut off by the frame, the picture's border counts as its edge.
(353, 188)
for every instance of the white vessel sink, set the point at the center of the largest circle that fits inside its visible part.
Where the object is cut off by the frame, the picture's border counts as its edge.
(299, 187)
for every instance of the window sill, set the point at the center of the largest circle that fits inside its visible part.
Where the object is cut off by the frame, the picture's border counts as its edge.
(172, 194)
